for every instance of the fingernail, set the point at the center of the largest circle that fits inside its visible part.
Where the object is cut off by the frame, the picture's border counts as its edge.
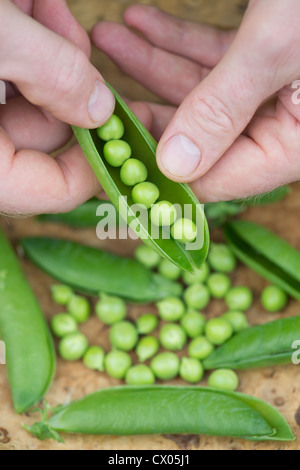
(101, 103)
(180, 156)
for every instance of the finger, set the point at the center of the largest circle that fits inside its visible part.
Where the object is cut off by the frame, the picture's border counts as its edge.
(142, 112)
(161, 116)
(166, 74)
(201, 43)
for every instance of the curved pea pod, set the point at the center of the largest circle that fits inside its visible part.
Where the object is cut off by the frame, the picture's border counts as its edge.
(30, 353)
(90, 270)
(167, 410)
(266, 253)
(188, 257)
(261, 346)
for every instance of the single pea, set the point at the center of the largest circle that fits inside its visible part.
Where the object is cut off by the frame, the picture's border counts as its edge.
(147, 256)
(197, 296)
(79, 308)
(94, 358)
(191, 370)
(116, 152)
(172, 337)
(140, 375)
(221, 258)
(224, 379)
(123, 335)
(274, 299)
(237, 320)
(112, 130)
(184, 231)
(133, 172)
(165, 366)
(146, 323)
(169, 270)
(193, 323)
(199, 277)
(73, 347)
(218, 331)
(63, 324)
(61, 294)
(163, 214)
(145, 194)
(147, 347)
(117, 364)
(218, 284)
(200, 348)
(110, 309)
(171, 309)
(239, 298)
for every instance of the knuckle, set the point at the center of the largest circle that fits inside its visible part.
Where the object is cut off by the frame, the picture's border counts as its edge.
(211, 114)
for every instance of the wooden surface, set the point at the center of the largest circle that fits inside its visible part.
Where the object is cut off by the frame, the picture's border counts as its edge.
(279, 386)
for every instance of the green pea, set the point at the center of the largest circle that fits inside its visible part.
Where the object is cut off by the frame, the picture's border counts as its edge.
(94, 358)
(221, 258)
(146, 323)
(72, 347)
(237, 320)
(123, 335)
(171, 309)
(140, 375)
(110, 309)
(172, 337)
(116, 152)
(63, 324)
(169, 270)
(163, 214)
(79, 308)
(224, 379)
(200, 348)
(61, 294)
(199, 277)
(147, 347)
(274, 299)
(145, 194)
(218, 331)
(133, 172)
(193, 323)
(191, 370)
(184, 231)
(239, 298)
(147, 256)
(112, 130)
(218, 284)
(197, 296)
(165, 366)
(117, 364)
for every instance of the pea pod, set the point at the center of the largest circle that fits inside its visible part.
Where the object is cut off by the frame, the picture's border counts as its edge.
(261, 346)
(144, 148)
(90, 270)
(266, 253)
(30, 352)
(168, 410)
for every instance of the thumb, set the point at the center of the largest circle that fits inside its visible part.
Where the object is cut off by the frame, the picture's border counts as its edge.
(50, 71)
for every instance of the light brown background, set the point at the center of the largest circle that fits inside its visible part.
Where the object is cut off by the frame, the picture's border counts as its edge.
(279, 386)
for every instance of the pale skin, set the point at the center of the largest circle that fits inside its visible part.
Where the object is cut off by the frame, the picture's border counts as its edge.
(244, 148)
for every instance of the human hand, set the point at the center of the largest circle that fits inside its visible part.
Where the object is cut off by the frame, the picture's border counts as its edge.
(226, 139)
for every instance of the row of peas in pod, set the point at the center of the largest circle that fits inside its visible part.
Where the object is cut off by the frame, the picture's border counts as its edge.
(134, 173)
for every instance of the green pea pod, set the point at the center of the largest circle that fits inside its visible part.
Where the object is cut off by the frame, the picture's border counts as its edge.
(29, 350)
(167, 410)
(187, 257)
(266, 253)
(90, 270)
(261, 346)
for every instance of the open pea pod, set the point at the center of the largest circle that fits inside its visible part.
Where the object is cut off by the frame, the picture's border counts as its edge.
(266, 253)
(187, 257)
(261, 346)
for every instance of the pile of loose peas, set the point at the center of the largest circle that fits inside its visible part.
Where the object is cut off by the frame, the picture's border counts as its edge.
(182, 324)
